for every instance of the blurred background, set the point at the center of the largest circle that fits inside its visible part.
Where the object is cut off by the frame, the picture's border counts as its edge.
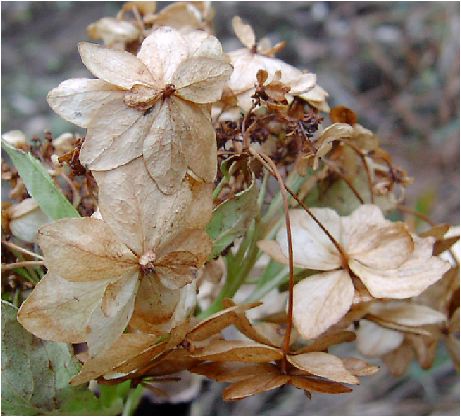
(396, 64)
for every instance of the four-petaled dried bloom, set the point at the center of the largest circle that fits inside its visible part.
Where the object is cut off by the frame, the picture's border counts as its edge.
(248, 61)
(134, 264)
(152, 105)
(385, 256)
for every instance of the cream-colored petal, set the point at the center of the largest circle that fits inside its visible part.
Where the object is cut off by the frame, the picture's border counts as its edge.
(179, 258)
(311, 246)
(201, 79)
(154, 304)
(374, 241)
(115, 67)
(272, 248)
(60, 310)
(141, 215)
(320, 301)
(85, 249)
(111, 317)
(77, 100)
(410, 279)
(109, 122)
(198, 138)
(124, 147)
(407, 314)
(164, 151)
(162, 51)
(324, 365)
(200, 43)
(244, 32)
(374, 340)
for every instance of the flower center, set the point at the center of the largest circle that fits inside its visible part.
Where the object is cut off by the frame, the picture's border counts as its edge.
(147, 262)
(168, 91)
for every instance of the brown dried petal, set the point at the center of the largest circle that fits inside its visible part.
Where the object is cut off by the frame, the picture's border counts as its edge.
(407, 314)
(236, 350)
(77, 100)
(323, 365)
(325, 341)
(200, 79)
(115, 67)
(59, 309)
(359, 367)
(154, 304)
(111, 125)
(317, 385)
(409, 279)
(140, 214)
(85, 249)
(320, 301)
(254, 385)
(122, 354)
(218, 321)
(231, 372)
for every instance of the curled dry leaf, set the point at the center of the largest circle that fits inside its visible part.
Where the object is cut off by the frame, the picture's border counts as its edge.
(389, 261)
(146, 241)
(151, 105)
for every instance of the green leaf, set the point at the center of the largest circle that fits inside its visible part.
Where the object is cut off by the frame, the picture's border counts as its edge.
(232, 218)
(40, 185)
(36, 374)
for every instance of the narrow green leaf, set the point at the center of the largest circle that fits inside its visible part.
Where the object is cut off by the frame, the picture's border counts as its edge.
(40, 185)
(231, 219)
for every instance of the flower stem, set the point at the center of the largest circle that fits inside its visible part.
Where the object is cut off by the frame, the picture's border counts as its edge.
(7, 267)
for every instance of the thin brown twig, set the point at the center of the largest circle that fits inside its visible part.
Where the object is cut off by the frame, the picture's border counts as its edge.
(365, 165)
(8, 267)
(21, 249)
(346, 180)
(266, 161)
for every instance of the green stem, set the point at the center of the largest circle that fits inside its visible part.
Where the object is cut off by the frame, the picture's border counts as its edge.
(132, 401)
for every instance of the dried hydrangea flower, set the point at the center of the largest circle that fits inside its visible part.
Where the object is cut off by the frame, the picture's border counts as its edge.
(388, 260)
(115, 33)
(184, 15)
(398, 331)
(130, 265)
(152, 105)
(248, 61)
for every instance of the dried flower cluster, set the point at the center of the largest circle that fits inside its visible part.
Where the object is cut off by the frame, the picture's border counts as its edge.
(167, 108)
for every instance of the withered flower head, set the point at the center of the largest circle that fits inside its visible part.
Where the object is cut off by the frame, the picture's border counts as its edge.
(248, 61)
(130, 265)
(388, 260)
(152, 105)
